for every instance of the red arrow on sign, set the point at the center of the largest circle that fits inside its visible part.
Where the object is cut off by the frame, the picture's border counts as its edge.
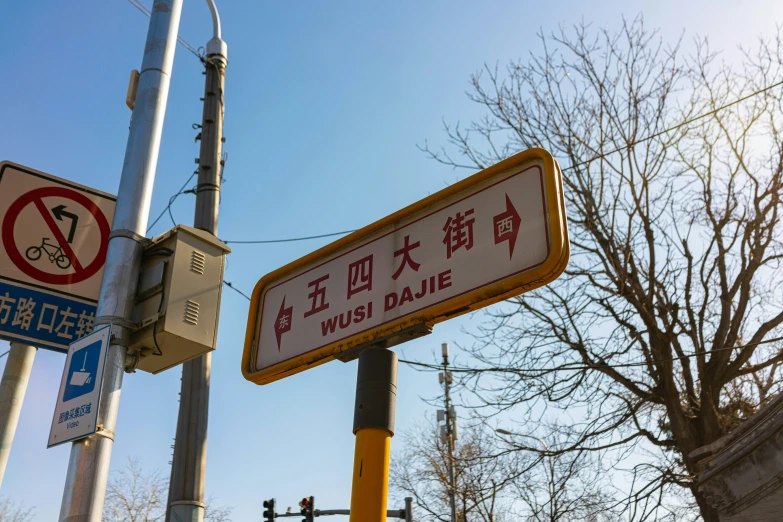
(283, 322)
(507, 226)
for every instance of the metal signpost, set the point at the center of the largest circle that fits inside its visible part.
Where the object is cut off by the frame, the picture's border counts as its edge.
(76, 413)
(53, 240)
(494, 235)
(88, 467)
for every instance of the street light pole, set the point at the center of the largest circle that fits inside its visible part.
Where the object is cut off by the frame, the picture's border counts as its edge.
(88, 468)
(449, 431)
(188, 470)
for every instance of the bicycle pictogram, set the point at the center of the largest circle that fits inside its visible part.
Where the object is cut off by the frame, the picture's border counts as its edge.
(55, 253)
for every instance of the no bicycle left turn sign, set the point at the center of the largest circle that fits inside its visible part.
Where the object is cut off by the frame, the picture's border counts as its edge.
(53, 240)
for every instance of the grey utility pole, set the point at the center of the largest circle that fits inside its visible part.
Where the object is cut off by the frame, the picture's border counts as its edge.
(188, 470)
(450, 428)
(12, 389)
(88, 469)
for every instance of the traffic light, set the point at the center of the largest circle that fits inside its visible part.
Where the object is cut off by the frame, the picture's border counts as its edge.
(308, 509)
(269, 511)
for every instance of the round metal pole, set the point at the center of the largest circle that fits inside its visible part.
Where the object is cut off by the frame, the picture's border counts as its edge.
(450, 441)
(88, 468)
(189, 463)
(373, 424)
(12, 389)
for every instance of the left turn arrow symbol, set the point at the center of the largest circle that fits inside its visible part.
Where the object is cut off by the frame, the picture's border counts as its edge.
(59, 212)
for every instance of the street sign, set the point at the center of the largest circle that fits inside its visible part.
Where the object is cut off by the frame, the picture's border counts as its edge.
(76, 412)
(53, 240)
(494, 235)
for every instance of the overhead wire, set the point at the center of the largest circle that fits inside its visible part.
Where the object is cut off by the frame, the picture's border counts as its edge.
(570, 167)
(171, 202)
(675, 127)
(582, 367)
(237, 290)
(260, 241)
(143, 8)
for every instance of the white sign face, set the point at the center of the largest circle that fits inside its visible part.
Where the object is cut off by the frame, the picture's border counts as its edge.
(53, 240)
(76, 413)
(476, 239)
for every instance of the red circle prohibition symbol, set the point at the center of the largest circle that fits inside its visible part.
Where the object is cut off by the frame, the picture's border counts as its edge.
(35, 197)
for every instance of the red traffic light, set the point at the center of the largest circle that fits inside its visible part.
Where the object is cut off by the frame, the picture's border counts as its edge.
(305, 502)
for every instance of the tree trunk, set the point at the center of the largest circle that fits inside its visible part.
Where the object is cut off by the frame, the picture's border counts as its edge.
(708, 513)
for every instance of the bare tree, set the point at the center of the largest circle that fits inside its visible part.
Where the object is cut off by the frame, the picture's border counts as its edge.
(494, 484)
(12, 512)
(566, 487)
(135, 496)
(657, 338)
(216, 513)
(483, 482)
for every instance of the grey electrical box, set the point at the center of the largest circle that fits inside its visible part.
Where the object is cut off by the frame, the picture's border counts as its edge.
(178, 298)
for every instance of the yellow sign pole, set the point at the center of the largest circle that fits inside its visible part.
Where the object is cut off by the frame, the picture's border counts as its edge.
(373, 425)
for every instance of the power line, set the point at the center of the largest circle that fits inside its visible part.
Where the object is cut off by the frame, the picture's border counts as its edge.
(141, 7)
(686, 122)
(237, 290)
(583, 367)
(570, 167)
(289, 239)
(171, 202)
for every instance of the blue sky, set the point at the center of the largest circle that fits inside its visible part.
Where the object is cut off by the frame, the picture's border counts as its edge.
(325, 103)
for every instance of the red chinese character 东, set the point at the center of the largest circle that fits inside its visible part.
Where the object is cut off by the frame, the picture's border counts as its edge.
(318, 294)
(459, 232)
(405, 252)
(360, 276)
(283, 322)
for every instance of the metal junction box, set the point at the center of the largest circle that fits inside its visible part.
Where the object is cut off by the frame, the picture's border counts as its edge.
(178, 298)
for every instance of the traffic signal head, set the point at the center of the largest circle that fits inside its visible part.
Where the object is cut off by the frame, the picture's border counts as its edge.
(307, 508)
(269, 512)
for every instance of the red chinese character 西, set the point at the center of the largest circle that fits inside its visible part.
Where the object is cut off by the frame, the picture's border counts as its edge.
(507, 226)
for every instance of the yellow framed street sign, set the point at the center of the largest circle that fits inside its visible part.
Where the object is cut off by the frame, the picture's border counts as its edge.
(494, 235)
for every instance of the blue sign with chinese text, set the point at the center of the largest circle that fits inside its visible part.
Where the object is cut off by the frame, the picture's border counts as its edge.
(42, 319)
(76, 413)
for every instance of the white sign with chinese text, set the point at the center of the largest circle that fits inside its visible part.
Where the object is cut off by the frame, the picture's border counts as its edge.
(53, 240)
(475, 239)
(76, 412)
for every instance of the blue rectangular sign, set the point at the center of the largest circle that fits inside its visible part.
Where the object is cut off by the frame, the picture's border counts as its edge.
(76, 412)
(42, 319)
